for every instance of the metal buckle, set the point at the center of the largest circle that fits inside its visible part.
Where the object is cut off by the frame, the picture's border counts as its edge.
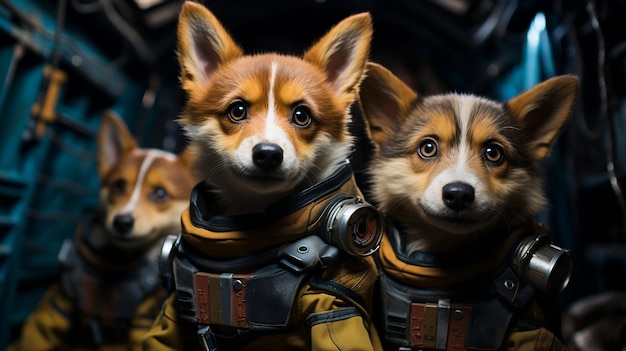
(221, 299)
(439, 326)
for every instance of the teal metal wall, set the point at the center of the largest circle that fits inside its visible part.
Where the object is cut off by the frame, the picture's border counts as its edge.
(47, 168)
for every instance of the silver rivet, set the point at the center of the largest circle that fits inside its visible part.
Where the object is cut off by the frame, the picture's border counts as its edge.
(303, 249)
(509, 284)
(237, 285)
(457, 314)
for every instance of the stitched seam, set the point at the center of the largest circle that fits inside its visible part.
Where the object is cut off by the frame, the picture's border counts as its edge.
(331, 316)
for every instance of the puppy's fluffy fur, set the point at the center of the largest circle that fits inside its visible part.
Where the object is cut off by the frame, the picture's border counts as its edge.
(450, 169)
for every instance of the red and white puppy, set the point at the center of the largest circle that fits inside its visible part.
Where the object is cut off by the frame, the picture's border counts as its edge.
(143, 190)
(109, 291)
(270, 124)
(271, 137)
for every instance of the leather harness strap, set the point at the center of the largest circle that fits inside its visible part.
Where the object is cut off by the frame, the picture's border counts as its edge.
(439, 326)
(221, 299)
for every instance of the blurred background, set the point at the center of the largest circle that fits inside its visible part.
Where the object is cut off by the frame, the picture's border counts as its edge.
(62, 63)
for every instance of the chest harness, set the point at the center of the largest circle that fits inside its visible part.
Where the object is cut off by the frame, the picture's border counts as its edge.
(254, 294)
(474, 314)
(105, 288)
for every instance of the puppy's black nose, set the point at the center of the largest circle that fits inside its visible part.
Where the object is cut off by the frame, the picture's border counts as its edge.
(458, 196)
(123, 223)
(267, 156)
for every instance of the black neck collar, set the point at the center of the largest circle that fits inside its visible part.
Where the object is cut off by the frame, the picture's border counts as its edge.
(451, 259)
(107, 258)
(203, 200)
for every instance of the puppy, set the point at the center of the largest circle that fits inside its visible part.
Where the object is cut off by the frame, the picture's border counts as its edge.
(109, 292)
(254, 268)
(457, 179)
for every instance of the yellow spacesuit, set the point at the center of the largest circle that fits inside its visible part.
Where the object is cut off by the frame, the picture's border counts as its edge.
(471, 300)
(102, 302)
(267, 281)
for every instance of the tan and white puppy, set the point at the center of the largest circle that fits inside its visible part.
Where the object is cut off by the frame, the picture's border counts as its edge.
(109, 290)
(143, 190)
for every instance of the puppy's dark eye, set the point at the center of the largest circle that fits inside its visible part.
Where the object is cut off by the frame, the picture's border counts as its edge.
(493, 154)
(301, 117)
(158, 195)
(237, 111)
(428, 149)
(118, 187)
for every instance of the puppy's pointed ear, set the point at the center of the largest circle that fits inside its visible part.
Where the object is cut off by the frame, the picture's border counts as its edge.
(385, 100)
(114, 140)
(342, 54)
(543, 111)
(203, 45)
